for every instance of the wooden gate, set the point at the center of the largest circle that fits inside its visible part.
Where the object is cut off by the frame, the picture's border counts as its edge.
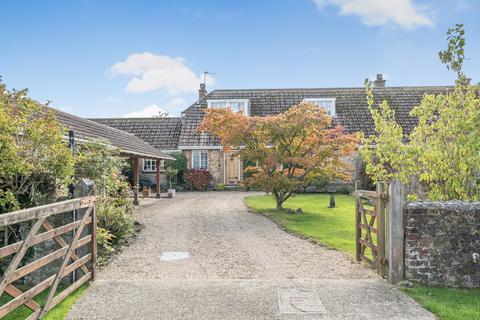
(370, 227)
(68, 235)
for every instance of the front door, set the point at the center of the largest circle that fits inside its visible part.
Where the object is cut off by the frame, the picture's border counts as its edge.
(232, 168)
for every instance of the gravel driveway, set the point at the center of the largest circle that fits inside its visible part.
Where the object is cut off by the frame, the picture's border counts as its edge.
(240, 266)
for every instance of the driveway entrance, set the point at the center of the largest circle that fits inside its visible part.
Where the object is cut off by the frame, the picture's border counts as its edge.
(204, 256)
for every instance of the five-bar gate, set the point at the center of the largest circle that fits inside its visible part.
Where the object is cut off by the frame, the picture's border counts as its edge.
(69, 234)
(370, 227)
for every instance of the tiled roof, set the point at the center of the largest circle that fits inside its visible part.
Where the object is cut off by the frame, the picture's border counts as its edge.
(162, 133)
(126, 142)
(190, 136)
(351, 107)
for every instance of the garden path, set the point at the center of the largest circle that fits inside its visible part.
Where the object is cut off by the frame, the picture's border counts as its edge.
(239, 266)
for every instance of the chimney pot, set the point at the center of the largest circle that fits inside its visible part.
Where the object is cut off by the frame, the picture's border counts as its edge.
(202, 92)
(379, 82)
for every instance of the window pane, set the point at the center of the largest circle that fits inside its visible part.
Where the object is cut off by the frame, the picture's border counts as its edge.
(234, 104)
(196, 161)
(204, 161)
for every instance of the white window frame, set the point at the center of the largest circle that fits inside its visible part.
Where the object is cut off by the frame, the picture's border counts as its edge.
(199, 166)
(318, 101)
(211, 103)
(150, 165)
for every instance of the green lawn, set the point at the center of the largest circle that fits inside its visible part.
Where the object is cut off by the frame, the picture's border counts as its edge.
(333, 227)
(336, 228)
(58, 313)
(447, 303)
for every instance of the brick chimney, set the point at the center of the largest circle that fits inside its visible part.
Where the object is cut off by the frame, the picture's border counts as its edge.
(379, 82)
(202, 92)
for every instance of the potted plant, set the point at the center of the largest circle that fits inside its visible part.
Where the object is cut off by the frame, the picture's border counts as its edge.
(171, 172)
(145, 192)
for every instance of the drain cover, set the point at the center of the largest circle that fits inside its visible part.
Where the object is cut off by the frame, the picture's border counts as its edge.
(299, 301)
(174, 255)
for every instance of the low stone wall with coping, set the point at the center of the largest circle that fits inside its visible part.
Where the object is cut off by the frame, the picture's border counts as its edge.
(442, 243)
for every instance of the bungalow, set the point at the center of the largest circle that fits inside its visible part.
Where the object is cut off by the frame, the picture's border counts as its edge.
(129, 145)
(347, 106)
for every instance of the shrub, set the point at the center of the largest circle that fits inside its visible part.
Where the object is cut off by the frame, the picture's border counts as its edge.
(180, 164)
(198, 179)
(35, 162)
(99, 161)
(116, 216)
(104, 244)
(219, 187)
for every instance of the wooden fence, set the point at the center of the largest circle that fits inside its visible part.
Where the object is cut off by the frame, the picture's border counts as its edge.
(84, 265)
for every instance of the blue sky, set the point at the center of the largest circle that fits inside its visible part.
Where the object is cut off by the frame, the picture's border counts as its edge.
(114, 58)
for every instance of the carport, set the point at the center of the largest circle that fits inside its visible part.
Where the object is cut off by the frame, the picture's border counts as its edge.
(130, 146)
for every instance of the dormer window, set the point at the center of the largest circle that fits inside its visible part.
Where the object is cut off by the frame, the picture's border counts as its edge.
(237, 105)
(327, 103)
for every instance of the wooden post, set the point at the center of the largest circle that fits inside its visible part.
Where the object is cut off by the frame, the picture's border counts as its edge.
(94, 243)
(395, 231)
(380, 207)
(136, 179)
(157, 176)
(358, 230)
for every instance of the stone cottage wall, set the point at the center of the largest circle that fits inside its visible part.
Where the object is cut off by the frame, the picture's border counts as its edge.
(442, 243)
(215, 162)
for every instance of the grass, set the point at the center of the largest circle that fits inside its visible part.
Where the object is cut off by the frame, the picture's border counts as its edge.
(448, 303)
(58, 313)
(335, 227)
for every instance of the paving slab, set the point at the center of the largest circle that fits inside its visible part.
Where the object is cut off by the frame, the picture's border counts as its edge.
(246, 299)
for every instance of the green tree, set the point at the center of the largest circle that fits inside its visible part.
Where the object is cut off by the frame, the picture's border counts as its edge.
(35, 163)
(440, 159)
(101, 162)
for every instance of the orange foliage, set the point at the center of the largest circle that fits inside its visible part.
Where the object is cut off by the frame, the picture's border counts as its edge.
(292, 149)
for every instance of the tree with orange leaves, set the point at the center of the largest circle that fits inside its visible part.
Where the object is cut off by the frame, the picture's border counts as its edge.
(291, 149)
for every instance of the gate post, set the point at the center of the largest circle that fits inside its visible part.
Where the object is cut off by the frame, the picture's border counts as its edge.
(395, 231)
(380, 211)
(358, 231)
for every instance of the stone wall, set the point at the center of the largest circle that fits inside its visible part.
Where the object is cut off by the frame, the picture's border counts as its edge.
(442, 243)
(215, 163)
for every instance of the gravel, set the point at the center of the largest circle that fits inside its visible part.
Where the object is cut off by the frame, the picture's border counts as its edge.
(224, 241)
(239, 266)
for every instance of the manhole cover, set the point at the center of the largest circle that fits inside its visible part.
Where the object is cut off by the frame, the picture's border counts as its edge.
(299, 301)
(174, 255)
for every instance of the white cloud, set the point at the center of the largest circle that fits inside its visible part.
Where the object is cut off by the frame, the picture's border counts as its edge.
(147, 112)
(177, 102)
(382, 12)
(154, 110)
(152, 72)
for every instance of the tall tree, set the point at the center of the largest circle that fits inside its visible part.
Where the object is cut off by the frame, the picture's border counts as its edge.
(291, 149)
(440, 159)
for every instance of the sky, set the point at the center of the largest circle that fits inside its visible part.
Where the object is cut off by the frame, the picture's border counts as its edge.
(134, 58)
